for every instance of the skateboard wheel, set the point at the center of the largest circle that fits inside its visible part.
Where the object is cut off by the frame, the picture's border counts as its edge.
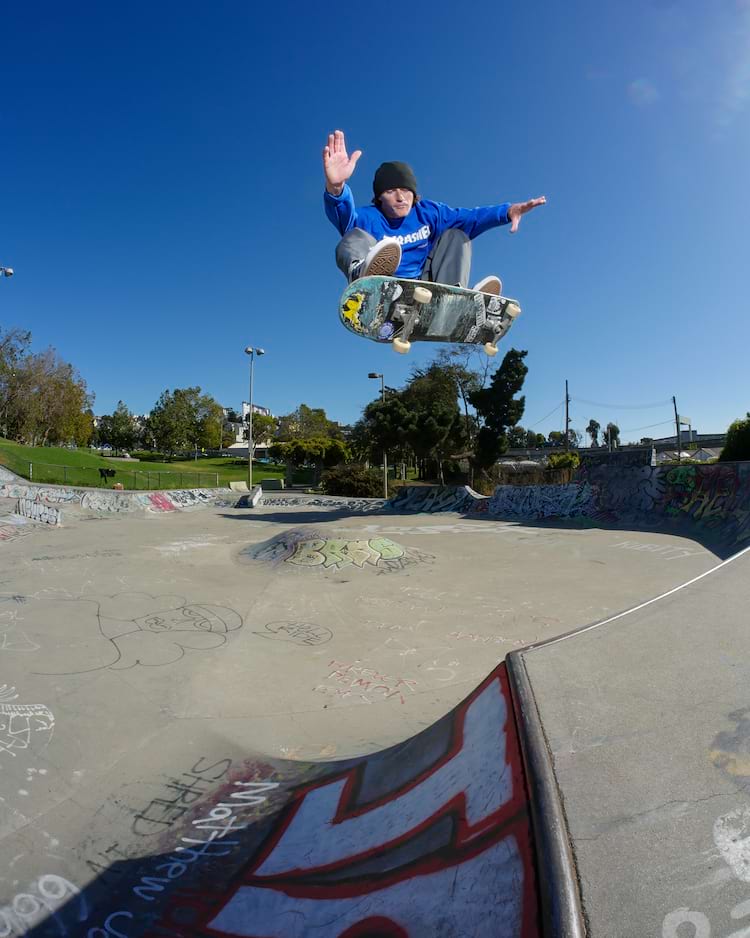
(490, 349)
(513, 310)
(422, 295)
(400, 346)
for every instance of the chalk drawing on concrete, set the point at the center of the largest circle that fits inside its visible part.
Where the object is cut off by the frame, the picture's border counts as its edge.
(298, 633)
(20, 723)
(128, 630)
(313, 550)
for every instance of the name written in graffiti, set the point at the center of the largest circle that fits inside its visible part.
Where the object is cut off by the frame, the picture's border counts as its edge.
(348, 680)
(43, 898)
(222, 819)
(181, 794)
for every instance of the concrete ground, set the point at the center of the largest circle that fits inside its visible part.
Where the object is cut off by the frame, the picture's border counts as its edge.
(136, 648)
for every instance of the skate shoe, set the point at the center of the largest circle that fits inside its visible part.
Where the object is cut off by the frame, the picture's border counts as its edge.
(382, 259)
(491, 284)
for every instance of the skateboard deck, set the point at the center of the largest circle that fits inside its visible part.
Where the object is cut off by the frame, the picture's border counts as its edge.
(388, 309)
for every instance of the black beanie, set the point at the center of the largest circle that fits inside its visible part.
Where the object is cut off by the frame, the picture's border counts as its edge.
(394, 175)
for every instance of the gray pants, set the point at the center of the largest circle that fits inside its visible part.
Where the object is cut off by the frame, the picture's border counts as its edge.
(449, 261)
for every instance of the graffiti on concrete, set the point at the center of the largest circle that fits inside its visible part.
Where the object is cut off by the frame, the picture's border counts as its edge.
(429, 498)
(342, 504)
(535, 502)
(369, 846)
(38, 902)
(347, 680)
(711, 499)
(298, 633)
(158, 501)
(13, 526)
(125, 631)
(105, 500)
(310, 549)
(36, 510)
(20, 723)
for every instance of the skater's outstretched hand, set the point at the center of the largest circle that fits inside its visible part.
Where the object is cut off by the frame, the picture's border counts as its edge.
(520, 208)
(337, 164)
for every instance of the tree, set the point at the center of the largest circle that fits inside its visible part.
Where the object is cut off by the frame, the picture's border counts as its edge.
(14, 347)
(306, 423)
(738, 441)
(556, 437)
(517, 437)
(498, 408)
(574, 438)
(44, 399)
(263, 427)
(534, 440)
(119, 430)
(322, 452)
(611, 436)
(185, 419)
(438, 430)
(593, 431)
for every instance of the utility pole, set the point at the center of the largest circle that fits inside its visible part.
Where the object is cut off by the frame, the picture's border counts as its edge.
(567, 417)
(677, 427)
(376, 374)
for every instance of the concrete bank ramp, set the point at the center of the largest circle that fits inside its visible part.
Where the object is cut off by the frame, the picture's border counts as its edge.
(710, 503)
(646, 719)
(429, 839)
(107, 501)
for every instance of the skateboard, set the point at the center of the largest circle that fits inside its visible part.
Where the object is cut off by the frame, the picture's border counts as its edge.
(387, 309)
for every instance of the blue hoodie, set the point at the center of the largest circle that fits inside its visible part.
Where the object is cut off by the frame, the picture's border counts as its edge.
(418, 232)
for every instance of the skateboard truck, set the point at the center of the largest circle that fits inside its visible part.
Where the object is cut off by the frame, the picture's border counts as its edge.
(410, 318)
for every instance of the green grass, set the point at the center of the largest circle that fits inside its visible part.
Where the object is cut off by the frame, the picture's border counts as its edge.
(58, 465)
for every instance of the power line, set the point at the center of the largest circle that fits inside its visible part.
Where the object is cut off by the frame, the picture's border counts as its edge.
(649, 427)
(545, 417)
(582, 400)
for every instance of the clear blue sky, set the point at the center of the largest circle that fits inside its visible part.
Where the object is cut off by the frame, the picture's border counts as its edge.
(162, 192)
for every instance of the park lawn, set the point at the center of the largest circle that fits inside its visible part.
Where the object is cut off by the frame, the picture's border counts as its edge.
(57, 464)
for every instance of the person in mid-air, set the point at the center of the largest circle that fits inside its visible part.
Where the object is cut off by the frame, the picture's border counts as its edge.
(402, 234)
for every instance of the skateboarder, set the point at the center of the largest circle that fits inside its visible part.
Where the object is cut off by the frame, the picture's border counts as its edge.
(402, 234)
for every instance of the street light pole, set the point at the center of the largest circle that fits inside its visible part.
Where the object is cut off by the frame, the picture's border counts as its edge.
(375, 374)
(252, 352)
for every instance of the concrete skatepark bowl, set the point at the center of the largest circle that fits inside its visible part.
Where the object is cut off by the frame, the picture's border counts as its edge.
(440, 716)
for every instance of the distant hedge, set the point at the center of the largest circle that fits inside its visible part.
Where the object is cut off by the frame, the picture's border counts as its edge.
(738, 441)
(352, 480)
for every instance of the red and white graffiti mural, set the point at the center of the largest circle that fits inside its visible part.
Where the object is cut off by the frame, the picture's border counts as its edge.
(429, 838)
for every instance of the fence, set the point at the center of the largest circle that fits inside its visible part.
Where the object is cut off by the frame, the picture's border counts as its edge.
(107, 476)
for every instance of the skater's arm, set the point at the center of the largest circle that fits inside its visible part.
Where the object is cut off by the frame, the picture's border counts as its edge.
(338, 166)
(341, 210)
(475, 221)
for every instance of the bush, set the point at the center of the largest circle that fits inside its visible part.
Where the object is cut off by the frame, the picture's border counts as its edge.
(738, 441)
(570, 460)
(353, 481)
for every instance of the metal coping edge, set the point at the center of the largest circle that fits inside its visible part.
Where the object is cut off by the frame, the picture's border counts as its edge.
(561, 908)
